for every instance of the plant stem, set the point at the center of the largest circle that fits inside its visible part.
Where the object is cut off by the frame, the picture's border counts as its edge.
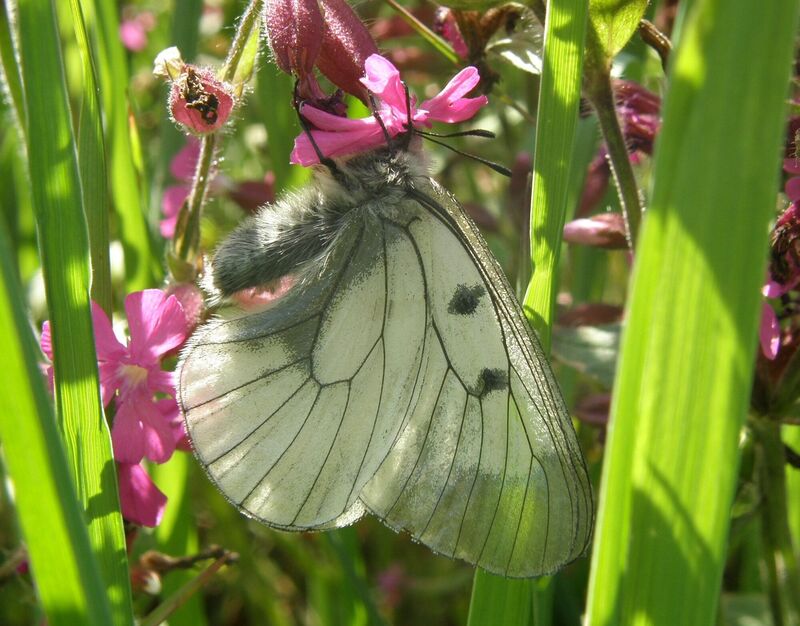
(601, 95)
(783, 577)
(188, 236)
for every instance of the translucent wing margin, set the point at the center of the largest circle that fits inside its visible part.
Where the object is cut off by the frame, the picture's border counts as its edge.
(486, 466)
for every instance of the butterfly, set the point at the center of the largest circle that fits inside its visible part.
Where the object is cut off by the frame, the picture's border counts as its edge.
(397, 376)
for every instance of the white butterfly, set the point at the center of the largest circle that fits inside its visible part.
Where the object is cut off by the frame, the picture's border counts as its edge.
(397, 377)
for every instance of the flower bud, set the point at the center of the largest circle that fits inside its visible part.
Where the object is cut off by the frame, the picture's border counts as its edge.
(346, 46)
(606, 230)
(199, 101)
(294, 31)
(325, 33)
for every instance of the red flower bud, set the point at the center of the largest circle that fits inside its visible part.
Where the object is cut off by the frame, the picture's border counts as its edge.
(199, 101)
(325, 33)
(345, 47)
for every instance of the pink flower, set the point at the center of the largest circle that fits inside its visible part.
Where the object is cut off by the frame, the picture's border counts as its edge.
(140, 500)
(784, 268)
(132, 373)
(182, 168)
(145, 426)
(133, 30)
(337, 136)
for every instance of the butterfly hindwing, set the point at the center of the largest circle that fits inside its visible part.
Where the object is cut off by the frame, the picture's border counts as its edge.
(291, 441)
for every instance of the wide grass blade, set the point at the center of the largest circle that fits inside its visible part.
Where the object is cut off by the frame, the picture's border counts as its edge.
(687, 355)
(61, 225)
(559, 97)
(68, 578)
(125, 179)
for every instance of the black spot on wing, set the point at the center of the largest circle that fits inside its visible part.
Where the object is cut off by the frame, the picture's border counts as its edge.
(465, 299)
(492, 380)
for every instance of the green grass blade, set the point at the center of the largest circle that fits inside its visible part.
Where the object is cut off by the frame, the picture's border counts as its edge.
(559, 97)
(67, 575)
(92, 161)
(686, 364)
(61, 226)
(125, 179)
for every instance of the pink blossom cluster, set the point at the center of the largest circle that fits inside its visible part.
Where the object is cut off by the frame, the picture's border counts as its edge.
(337, 136)
(147, 424)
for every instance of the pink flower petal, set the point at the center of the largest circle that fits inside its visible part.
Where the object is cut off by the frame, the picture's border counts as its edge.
(791, 165)
(141, 501)
(773, 289)
(184, 163)
(160, 381)
(140, 431)
(171, 203)
(450, 105)
(792, 188)
(109, 381)
(126, 434)
(199, 101)
(46, 341)
(157, 325)
(133, 35)
(108, 346)
(769, 333)
(383, 80)
(157, 432)
(333, 144)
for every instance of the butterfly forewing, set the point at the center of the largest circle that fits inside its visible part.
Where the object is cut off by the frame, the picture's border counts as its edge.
(486, 467)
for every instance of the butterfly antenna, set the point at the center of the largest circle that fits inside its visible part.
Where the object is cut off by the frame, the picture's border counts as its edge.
(475, 132)
(500, 169)
(379, 119)
(409, 122)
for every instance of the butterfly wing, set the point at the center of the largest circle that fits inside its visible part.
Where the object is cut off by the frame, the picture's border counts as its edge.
(403, 381)
(486, 467)
(292, 410)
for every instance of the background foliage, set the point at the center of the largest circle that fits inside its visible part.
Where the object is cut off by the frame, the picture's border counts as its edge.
(698, 513)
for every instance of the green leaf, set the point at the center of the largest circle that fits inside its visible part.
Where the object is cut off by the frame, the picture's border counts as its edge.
(125, 179)
(92, 160)
(688, 349)
(61, 226)
(592, 350)
(611, 25)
